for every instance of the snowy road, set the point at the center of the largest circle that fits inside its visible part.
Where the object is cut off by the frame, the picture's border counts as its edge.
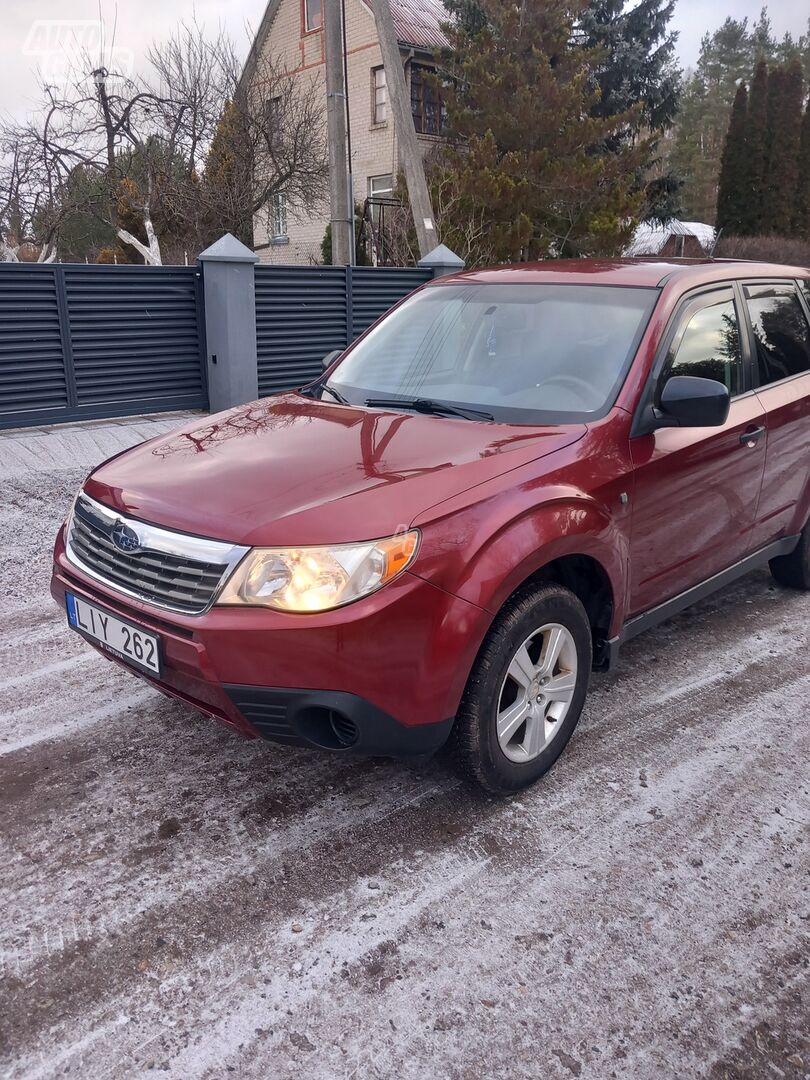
(175, 900)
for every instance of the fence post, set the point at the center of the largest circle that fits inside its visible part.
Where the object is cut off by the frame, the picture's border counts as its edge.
(349, 305)
(442, 261)
(229, 313)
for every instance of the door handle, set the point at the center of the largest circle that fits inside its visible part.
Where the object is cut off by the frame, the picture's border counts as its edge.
(751, 438)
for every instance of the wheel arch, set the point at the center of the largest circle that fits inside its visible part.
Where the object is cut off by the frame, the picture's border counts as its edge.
(575, 541)
(572, 539)
(589, 581)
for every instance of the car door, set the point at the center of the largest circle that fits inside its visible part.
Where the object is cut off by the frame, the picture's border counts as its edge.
(778, 320)
(696, 490)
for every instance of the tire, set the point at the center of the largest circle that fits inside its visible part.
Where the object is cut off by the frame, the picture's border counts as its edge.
(793, 570)
(506, 683)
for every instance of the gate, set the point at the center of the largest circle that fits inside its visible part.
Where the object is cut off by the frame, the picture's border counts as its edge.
(79, 342)
(83, 342)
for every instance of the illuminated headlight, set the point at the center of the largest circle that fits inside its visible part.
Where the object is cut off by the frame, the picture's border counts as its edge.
(309, 579)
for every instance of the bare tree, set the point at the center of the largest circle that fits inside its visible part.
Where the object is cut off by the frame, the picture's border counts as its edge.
(464, 230)
(13, 179)
(270, 141)
(180, 153)
(99, 123)
(33, 201)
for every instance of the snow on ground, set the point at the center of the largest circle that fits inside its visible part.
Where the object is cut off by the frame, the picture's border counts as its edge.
(176, 900)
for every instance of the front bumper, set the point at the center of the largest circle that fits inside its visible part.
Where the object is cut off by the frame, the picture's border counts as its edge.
(384, 675)
(330, 720)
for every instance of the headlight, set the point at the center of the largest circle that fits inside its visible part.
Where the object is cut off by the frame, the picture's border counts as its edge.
(311, 579)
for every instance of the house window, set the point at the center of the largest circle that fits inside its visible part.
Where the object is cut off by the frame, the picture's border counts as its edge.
(279, 215)
(313, 14)
(426, 103)
(379, 95)
(380, 186)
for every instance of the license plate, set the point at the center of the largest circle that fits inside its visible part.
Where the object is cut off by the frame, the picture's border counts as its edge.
(121, 638)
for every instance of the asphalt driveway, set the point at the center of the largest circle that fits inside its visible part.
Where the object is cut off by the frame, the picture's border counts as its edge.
(177, 900)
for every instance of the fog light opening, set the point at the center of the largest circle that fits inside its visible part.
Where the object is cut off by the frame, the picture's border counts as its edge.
(345, 729)
(327, 728)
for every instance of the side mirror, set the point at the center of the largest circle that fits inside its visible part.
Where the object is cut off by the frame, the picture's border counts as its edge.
(330, 358)
(687, 401)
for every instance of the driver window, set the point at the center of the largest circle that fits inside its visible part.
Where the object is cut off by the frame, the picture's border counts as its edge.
(709, 347)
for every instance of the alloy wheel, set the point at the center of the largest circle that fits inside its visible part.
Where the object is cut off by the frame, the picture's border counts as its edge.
(536, 692)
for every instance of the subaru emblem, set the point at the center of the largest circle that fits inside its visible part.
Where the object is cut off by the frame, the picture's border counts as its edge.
(125, 539)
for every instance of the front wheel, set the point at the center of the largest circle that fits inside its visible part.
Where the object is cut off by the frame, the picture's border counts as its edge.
(525, 692)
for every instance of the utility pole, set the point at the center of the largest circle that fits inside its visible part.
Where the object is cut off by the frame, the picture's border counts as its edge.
(410, 154)
(339, 195)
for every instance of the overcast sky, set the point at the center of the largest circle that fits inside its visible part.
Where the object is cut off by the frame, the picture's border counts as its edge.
(34, 32)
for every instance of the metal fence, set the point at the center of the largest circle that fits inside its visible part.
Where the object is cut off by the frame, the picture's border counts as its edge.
(304, 312)
(80, 342)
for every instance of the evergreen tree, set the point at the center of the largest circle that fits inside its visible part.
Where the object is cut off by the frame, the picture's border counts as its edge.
(636, 66)
(754, 167)
(225, 180)
(725, 59)
(763, 43)
(637, 75)
(663, 194)
(84, 232)
(691, 153)
(727, 56)
(525, 150)
(776, 87)
(732, 187)
(791, 48)
(804, 49)
(634, 50)
(785, 132)
(801, 215)
(467, 14)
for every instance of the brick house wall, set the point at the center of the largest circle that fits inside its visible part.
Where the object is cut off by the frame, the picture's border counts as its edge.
(374, 145)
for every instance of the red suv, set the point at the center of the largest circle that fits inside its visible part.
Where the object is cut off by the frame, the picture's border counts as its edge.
(509, 475)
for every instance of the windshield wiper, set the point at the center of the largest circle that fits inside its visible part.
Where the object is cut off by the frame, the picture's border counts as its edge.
(336, 394)
(427, 405)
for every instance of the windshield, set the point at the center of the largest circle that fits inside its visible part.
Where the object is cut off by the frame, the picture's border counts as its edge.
(521, 353)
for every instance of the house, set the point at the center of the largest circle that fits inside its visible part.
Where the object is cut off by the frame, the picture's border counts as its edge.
(292, 30)
(682, 239)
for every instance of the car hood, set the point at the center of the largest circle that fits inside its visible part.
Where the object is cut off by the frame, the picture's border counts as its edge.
(291, 470)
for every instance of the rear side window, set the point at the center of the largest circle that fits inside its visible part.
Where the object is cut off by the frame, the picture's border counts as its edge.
(708, 347)
(781, 332)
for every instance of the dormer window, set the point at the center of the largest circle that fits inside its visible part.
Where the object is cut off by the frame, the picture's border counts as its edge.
(428, 109)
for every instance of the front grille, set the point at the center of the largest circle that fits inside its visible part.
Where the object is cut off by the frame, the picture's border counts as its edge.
(168, 569)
